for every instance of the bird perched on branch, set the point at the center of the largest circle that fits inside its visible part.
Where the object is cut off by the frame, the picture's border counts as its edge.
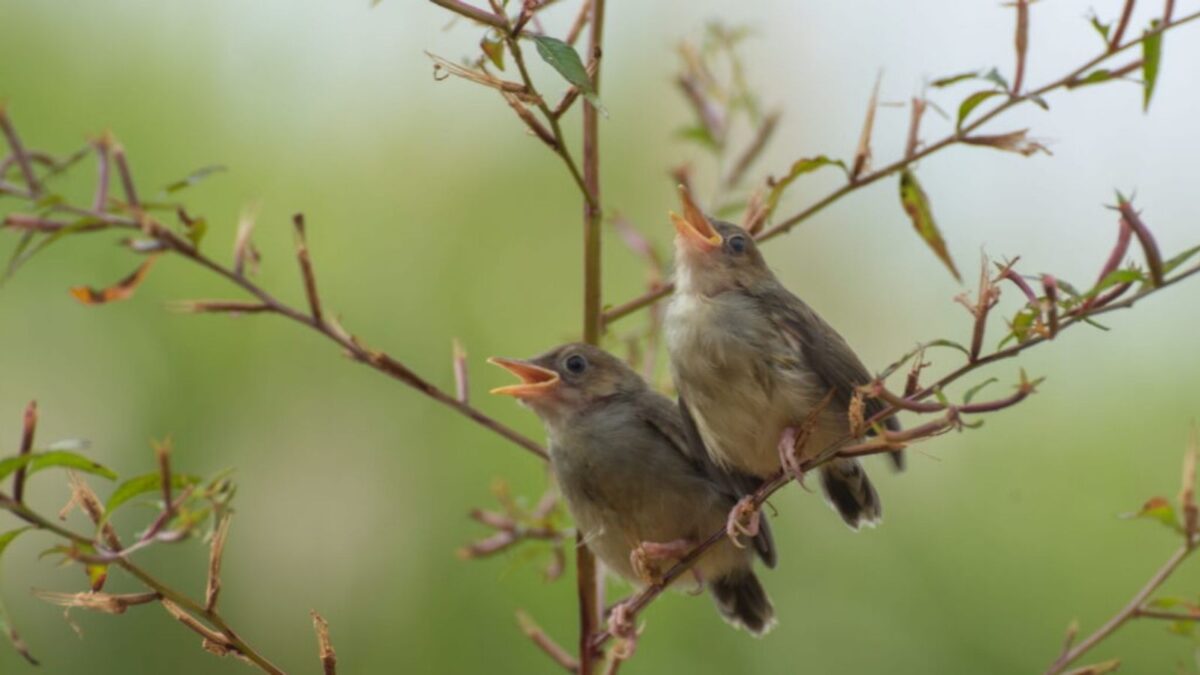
(758, 370)
(640, 495)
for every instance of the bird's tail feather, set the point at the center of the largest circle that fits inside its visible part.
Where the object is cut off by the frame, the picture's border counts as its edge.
(850, 492)
(743, 602)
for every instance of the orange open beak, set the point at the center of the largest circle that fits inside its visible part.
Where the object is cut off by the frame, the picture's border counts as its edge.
(693, 226)
(535, 380)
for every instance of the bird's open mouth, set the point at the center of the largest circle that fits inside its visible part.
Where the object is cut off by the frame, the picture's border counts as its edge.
(535, 380)
(693, 226)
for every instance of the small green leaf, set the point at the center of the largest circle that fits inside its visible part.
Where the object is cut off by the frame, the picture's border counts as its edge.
(799, 168)
(916, 204)
(1101, 28)
(194, 177)
(8, 537)
(1116, 278)
(493, 48)
(994, 75)
(196, 231)
(977, 388)
(1095, 77)
(972, 102)
(1039, 101)
(1160, 509)
(1151, 58)
(943, 82)
(36, 461)
(698, 134)
(1178, 260)
(563, 58)
(139, 485)
(948, 343)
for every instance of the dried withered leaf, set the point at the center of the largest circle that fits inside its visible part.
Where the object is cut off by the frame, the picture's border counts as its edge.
(122, 290)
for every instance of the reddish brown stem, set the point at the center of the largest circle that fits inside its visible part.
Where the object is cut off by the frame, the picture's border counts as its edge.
(1021, 42)
(1122, 24)
(18, 151)
(1145, 238)
(28, 427)
(306, 270)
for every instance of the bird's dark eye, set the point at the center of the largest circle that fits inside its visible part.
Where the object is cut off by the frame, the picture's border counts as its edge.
(737, 244)
(575, 363)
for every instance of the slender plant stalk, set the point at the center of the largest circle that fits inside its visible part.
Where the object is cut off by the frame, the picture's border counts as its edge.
(590, 586)
(1131, 610)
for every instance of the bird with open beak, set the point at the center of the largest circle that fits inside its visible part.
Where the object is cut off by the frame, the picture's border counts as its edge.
(753, 363)
(640, 496)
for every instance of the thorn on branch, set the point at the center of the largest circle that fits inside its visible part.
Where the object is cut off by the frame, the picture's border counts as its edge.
(28, 428)
(243, 248)
(1021, 43)
(131, 196)
(862, 156)
(306, 270)
(324, 644)
(461, 381)
(103, 147)
(216, 551)
(914, 127)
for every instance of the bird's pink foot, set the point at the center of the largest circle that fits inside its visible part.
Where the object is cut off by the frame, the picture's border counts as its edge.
(789, 458)
(648, 557)
(743, 520)
(620, 623)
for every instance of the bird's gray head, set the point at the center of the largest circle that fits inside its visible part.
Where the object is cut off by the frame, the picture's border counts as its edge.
(713, 256)
(568, 380)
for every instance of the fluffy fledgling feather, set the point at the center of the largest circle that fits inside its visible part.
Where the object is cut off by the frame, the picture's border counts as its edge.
(620, 455)
(750, 359)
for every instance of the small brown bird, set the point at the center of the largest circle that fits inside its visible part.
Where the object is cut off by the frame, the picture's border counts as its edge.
(639, 495)
(751, 361)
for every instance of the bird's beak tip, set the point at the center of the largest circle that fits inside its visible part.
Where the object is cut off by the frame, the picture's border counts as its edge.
(535, 380)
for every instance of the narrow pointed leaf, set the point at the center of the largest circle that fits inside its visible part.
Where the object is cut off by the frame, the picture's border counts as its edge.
(916, 204)
(140, 485)
(1151, 58)
(972, 102)
(799, 168)
(563, 58)
(37, 461)
(194, 177)
(8, 537)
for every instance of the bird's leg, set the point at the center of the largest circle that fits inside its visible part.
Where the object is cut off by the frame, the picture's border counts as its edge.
(743, 520)
(789, 459)
(646, 557)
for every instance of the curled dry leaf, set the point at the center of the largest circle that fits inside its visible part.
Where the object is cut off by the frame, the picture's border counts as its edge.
(122, 290)
(106, 603)
(1014, 141)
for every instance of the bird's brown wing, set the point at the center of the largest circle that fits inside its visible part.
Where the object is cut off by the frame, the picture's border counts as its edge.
(736, 484)
(825, 352)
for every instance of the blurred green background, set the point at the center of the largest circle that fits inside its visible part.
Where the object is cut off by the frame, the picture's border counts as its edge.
(432, 214)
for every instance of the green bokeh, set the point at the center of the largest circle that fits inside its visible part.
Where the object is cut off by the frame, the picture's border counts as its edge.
(431, 215)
